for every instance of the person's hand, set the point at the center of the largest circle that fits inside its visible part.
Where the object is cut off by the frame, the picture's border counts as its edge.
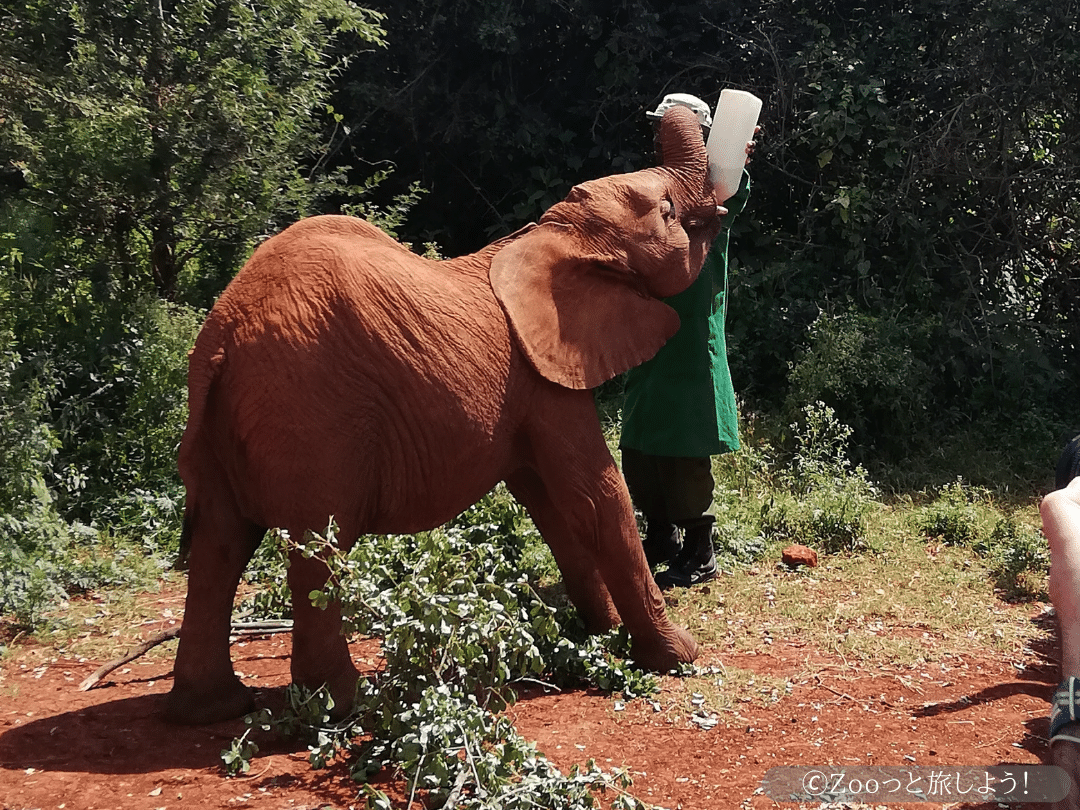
(751, 145)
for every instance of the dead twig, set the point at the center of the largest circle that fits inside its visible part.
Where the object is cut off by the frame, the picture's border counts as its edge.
(455, 792)
(907, 684)
(262, 628)
(142, 649)
(838, 694)
(254, 775)
(994, 742)
(238, 628)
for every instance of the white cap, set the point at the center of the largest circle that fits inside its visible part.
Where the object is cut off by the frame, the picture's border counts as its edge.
(692, 103)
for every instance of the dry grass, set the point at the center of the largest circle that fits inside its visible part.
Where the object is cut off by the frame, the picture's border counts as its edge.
(911, 603)
(105, 624)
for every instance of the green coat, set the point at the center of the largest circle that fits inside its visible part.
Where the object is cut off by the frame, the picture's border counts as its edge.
(681, 402)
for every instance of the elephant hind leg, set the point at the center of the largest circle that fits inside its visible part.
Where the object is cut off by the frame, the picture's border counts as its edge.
(320, 652)
(581, 577)
(205, 688)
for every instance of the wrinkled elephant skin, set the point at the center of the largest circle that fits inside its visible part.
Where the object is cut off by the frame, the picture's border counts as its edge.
(341, 375)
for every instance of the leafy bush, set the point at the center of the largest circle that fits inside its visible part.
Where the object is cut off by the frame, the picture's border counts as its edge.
(122, 409)
(458, 753)
(737, 543)
(832, 521)
(459, 625)
(869, 369)
(27, 443)
(44, 560)
(75, 475)
(156, 408)
(954, 516)
(1018, 556)
(1009, 451)
(828, 498)
(272, 598)
(29, 581)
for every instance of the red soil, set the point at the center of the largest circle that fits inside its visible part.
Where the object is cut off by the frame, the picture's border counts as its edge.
(107, 748)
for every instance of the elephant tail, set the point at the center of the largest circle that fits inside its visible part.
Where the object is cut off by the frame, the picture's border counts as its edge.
(205, 362)
(181, 563)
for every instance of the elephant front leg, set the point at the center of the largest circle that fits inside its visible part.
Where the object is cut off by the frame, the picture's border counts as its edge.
(657, 643)
(205, 688)
(320, 651)
(584, 585)
(582, 480)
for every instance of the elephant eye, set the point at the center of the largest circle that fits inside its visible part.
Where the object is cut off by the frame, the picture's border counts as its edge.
(667, 208)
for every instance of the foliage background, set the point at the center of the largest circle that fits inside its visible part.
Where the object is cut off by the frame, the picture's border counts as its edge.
(903, 321)
(909, 251)
(908, 258)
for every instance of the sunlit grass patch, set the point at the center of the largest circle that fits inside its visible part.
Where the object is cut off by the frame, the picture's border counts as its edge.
(908, 604)
(112, 620)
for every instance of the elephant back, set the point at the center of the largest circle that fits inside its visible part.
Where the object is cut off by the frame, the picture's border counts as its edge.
(332, 328)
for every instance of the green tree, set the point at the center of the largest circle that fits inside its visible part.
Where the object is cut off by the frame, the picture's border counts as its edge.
(160, 137)
(500, 107)
(145, 144)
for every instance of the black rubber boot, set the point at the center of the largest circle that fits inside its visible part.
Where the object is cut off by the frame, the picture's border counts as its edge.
(695, 564)
(661, 542)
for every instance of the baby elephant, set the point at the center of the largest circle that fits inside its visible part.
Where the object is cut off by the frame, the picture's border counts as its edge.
(340, 374)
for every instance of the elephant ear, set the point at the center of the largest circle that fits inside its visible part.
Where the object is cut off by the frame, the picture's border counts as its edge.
(580, 317)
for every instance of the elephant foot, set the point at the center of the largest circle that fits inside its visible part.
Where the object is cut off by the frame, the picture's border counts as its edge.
(190, 706)
(666, 652)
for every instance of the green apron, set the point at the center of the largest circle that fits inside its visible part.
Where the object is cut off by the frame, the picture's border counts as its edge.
(681, 402)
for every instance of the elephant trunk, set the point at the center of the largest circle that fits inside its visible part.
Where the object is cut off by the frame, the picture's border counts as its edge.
(682, 150)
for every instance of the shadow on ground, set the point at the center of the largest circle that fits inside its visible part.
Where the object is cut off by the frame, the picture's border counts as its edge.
(122, 736)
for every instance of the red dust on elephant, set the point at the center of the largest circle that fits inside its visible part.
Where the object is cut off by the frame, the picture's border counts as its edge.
(341, 375)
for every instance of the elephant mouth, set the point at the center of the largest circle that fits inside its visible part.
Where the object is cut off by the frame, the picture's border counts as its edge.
(702, 217)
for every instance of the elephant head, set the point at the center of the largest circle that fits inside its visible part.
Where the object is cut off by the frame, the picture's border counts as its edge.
(581, 288)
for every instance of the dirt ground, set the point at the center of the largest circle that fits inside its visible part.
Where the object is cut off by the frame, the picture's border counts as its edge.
(107, 749)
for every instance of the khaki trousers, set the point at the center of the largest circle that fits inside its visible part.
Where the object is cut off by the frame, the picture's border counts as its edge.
(670, 489)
